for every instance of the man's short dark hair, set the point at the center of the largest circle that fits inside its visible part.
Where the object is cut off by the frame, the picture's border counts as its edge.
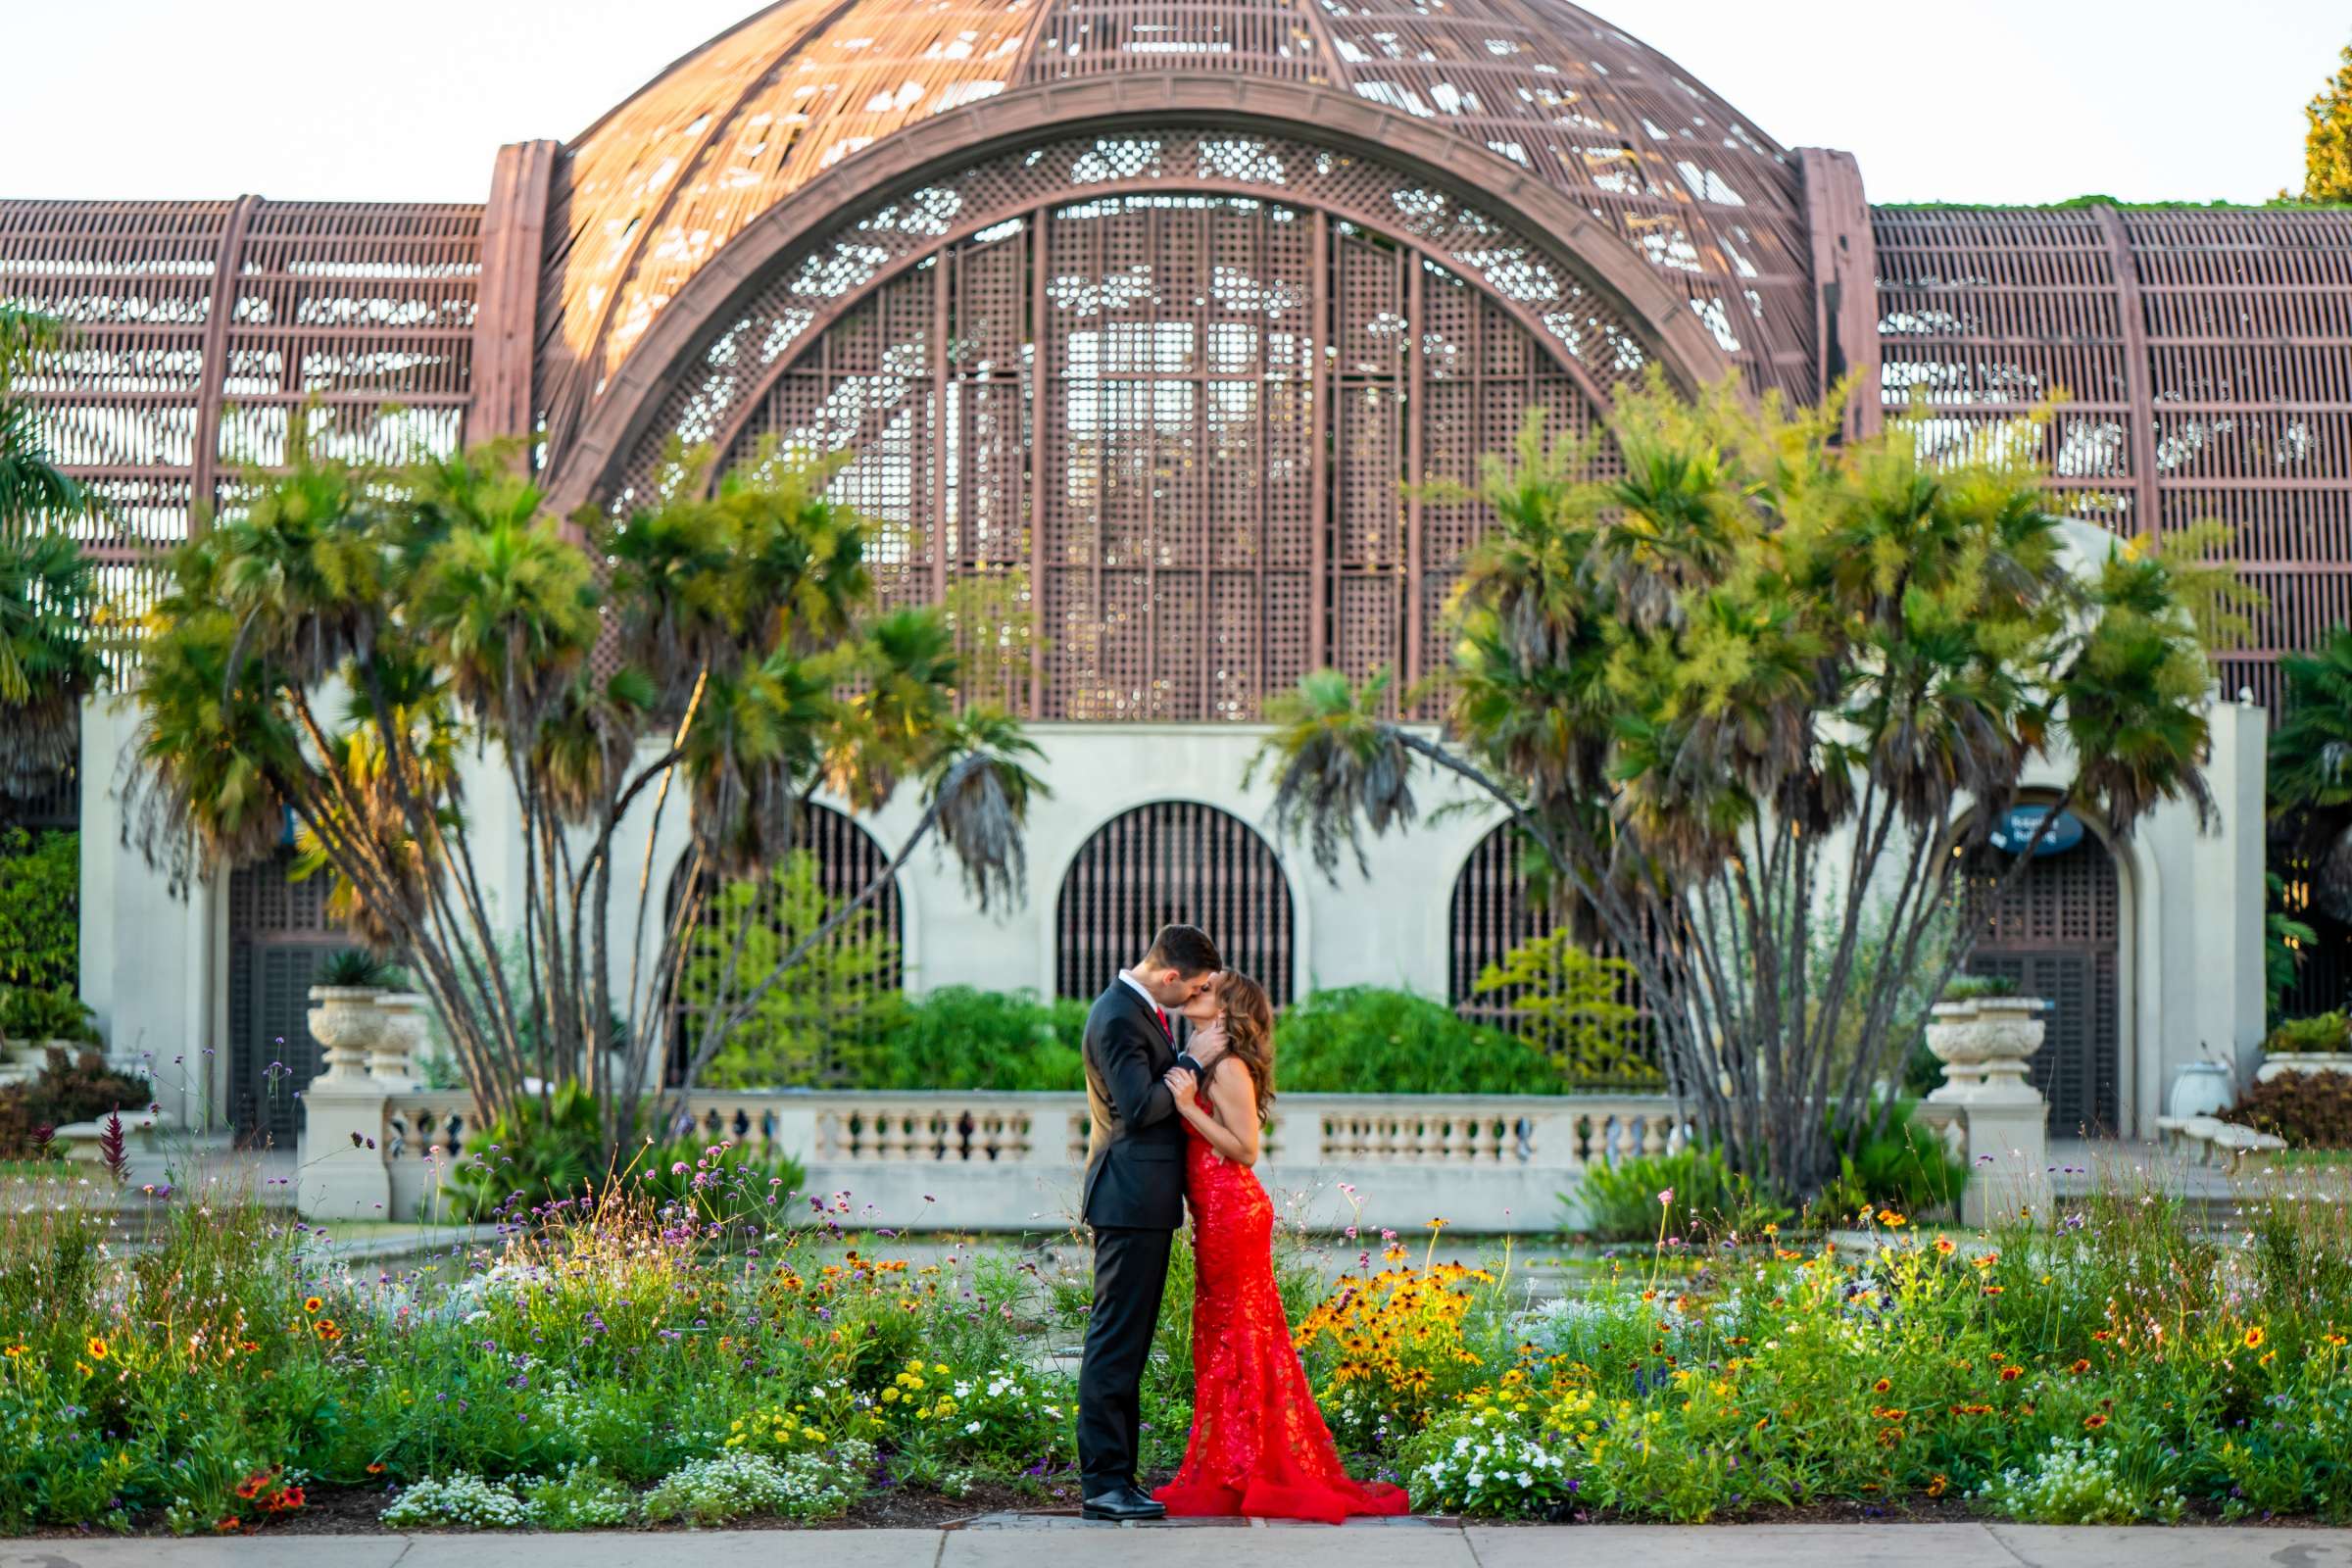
(1185, 948)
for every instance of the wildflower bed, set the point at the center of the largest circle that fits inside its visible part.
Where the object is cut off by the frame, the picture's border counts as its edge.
(744, 1358)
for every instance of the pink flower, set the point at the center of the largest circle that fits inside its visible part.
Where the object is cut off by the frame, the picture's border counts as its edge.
(1666, 1196)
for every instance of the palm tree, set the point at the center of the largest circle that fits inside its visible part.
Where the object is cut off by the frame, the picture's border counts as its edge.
(734, 652)
(49, 597)
(1746, 694)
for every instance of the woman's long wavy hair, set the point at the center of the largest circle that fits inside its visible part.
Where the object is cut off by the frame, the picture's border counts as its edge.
(1248, 1034)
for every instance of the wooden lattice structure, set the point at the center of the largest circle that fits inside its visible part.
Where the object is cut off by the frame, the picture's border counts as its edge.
(2054, 930)
(1149, 317)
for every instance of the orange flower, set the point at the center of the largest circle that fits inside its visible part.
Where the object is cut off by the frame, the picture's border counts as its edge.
(1881, 1385)
(312, 1303)
(1945, 1246)
(2102, 1334)
(2333, 1338)
(2095, 1421)
(1988, 1260)
(2254, 1339)
(2010, 1374)
(1992, 1289)
(376, 1468)
(97, 1348)
(16, 1351)
(327, 1331)
(251, 1486)
(226, 1527)
(1937, 1487)
(2080, 1368)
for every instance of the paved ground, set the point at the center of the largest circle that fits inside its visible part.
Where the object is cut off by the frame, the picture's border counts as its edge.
(1403, 1544)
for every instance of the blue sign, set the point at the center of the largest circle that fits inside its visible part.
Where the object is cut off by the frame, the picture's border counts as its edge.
(2017, 825)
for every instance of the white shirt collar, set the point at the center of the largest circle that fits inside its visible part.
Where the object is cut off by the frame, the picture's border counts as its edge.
(1150, 1001)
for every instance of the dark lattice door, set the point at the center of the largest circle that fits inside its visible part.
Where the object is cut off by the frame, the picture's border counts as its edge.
(278, 938)
(2053, 932)
(1173, 861)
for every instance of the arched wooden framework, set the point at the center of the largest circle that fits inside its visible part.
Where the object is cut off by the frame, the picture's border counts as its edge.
(1166, 862)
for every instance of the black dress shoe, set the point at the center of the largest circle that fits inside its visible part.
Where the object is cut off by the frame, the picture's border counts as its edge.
(1122, 1506)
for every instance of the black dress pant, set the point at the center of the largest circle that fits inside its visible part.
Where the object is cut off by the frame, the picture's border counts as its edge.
(1131, 1274)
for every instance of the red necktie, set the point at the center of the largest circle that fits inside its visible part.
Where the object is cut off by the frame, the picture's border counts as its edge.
(1162, 1016)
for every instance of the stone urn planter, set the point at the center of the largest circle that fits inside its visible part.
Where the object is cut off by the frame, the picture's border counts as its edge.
(402, 1017)
(2303, 1061)
(347, 1021)
(1984, 1044)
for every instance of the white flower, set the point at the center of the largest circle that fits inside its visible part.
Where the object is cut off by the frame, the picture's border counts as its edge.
(972, 1427)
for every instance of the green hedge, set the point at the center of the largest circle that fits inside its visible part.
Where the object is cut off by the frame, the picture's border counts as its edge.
(1368, 1040)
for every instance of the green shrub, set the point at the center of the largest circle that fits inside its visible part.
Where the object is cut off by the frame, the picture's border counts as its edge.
(30, 1014)
(2309, 1109)
(40, 927)
(1621, 1204)
(1970, 987)
(1366, 1039)
(69, 1090)
(2323, 1032)
(1906, 1168)
(960, 1038)
(557, 1150)
(356, 969)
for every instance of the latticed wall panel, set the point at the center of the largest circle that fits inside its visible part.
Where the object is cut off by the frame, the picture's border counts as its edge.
(1185, 429)
(649, 194)
(2207, 358)
(279, 937)
(2055, 933)
(1173, 861)
(202, 330)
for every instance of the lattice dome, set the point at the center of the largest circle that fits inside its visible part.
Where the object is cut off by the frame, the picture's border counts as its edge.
(651, 193)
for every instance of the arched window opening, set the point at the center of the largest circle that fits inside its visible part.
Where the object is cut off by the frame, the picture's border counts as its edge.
(1173, 861)
(808, 1029)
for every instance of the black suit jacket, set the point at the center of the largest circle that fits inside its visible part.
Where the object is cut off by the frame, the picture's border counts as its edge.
(1134, 1146)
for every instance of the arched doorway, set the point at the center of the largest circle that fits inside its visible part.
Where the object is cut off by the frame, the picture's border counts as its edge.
(1494, 912)
(2054, 931)
(868, 955)
(279, 936)
(1169, 861)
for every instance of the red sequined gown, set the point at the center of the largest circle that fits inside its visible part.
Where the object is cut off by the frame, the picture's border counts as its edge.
(1259, 1446)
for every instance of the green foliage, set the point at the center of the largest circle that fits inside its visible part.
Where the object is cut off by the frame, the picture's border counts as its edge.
(2320, 1032)
(443, 609)
(842, 992)
(355, 968)
(2310, 776)
(1973, 987)
(1357, 1040)
(69, 1089)
(557, 1148)
(2327, 143)
(2285, 940)
(1620, 1200)
(1570, 1006)
(2309, 1109)
(40, 918)
(1726, 671)
(1903, 1167)
(30, 1014)
(960, 1038)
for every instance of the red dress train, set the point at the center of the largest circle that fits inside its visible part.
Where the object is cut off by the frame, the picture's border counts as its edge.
(1259, 1448)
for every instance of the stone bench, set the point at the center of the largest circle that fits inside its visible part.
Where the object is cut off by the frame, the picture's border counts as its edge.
(2214, 1141)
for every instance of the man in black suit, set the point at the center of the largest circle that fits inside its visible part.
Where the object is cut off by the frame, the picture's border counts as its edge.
(1133, 1200)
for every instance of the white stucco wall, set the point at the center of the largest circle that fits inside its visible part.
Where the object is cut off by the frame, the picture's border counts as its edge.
(155, 968)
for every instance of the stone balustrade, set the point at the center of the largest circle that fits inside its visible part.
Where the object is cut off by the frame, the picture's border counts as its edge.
(1012, 1161)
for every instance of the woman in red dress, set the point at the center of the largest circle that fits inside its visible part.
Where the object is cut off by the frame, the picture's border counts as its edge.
(1259, 1446)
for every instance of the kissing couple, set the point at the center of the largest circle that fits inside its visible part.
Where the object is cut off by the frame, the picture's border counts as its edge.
(1175, 1129)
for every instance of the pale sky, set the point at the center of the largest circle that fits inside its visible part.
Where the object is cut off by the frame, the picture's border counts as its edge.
(1961, 100)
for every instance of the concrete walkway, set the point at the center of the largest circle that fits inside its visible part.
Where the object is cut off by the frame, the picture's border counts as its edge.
(1025, 1542)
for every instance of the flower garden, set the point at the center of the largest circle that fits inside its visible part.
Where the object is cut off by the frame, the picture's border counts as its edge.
(747, 1355)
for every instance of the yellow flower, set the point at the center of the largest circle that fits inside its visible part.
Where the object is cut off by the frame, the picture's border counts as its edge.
(97, 1348)
(2253, 1338)
(312, 1303)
